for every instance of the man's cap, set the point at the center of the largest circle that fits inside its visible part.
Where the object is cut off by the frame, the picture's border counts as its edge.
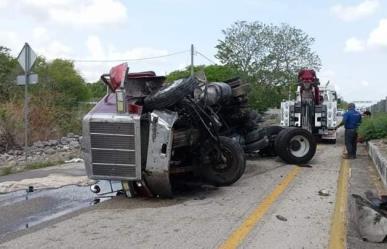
(351, 106)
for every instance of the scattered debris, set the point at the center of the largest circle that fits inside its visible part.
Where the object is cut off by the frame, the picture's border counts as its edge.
(324, 192)
(75, 160)
(376, 201)
(371, 221)
(281, 218)
(305, 166)
(61, 149)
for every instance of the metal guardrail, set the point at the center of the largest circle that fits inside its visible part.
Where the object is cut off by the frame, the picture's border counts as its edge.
(380, 106)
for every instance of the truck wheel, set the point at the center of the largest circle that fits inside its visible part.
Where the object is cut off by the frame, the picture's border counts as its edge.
(224, 167)
(295, 145)
(271, 132)
(171, 94)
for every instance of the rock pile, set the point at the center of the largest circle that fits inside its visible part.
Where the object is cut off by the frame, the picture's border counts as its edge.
(61, 149)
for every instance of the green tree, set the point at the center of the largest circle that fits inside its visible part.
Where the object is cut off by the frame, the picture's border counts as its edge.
(57, 96)
(8, 72)
(62, 80)
(270, 55)
(96, 90)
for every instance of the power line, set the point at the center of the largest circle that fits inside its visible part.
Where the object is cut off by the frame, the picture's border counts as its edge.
(205, 57)
(136, 59)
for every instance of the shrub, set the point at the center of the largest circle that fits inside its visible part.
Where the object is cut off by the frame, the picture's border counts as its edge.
(11, 125)
(374, 127)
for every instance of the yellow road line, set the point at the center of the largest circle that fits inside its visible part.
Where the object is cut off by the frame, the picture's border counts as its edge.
(236, 238)
(338, 232)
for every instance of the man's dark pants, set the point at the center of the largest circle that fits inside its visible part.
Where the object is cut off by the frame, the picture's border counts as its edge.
(351, 141)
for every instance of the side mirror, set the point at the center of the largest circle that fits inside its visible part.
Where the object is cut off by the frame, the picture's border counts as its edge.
(116, 77)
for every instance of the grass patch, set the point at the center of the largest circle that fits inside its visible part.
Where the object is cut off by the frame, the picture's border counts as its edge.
(30, 166)
(6, 171)
(39, 165)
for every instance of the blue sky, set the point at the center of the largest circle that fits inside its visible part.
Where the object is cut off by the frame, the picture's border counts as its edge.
(351, 35)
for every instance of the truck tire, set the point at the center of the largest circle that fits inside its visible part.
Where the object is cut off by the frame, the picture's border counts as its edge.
(232, 168)
(170, 95)
(295, 145)
(271, 132)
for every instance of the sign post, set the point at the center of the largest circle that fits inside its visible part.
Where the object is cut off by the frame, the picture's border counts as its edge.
(26, 60)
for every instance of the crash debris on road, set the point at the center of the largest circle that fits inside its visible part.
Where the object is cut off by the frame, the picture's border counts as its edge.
(371, 217)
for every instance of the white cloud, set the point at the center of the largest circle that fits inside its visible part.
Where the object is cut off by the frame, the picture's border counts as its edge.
(74, 12)
(378, 37)
(4, 3)
(364, 83)
(41, 42)
(11, 40)
(354, 45)
(40, 33)
(95, 48)
(350, 13)
(54, 49)
(98, 50)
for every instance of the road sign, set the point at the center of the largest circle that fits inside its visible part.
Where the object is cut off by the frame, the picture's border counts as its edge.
(22, 79)
(26, 58)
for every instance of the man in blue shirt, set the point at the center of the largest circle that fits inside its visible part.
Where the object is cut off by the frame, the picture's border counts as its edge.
(351, 121)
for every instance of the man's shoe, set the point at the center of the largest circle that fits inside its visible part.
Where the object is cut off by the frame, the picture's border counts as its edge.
(349, 157)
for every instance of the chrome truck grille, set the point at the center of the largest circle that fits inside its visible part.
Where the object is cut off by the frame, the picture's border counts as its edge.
(111, 146)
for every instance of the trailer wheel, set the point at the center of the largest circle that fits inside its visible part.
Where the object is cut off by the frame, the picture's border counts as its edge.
(171, 94)
(271, 132)
(224, 167)
(295, 145)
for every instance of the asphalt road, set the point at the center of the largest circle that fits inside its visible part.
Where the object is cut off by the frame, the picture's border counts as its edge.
(273, 205)
(296, 217)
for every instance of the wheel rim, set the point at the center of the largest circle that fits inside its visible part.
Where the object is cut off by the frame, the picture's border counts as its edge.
(221, 161)
(299, 146)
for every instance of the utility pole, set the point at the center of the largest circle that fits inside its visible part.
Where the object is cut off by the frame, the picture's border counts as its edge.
(192, 59)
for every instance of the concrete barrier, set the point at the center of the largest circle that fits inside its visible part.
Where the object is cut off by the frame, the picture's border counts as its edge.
(379, 160)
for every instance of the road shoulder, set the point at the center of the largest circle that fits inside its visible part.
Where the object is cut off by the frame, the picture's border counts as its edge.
(361, 180)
